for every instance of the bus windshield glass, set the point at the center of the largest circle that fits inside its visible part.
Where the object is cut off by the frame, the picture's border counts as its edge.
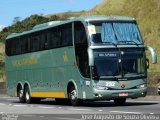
(132, 64)
(115, 32)
(107, 67)
(129, 65)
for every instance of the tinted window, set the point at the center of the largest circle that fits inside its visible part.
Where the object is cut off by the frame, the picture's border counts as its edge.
(67, 35)
(56, 37)
(81, 47)
(80, 33)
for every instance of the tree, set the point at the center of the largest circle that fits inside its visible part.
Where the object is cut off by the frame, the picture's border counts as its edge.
(16, 19)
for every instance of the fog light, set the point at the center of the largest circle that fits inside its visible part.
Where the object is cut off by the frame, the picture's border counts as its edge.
(98, 95)
(141, 86)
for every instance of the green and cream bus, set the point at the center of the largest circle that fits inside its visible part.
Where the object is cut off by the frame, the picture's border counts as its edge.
(84, 58)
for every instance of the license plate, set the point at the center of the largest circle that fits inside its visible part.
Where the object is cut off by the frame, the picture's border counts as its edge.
(123, 94)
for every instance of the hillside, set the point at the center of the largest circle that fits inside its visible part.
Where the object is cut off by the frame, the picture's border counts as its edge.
(145, 11)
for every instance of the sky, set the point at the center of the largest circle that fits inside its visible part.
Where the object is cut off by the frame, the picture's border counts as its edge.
(9, 9)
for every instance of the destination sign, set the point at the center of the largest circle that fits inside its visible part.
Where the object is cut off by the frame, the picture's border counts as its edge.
(107, 54)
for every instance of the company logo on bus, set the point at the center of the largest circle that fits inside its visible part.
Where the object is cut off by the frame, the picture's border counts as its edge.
(123, 86)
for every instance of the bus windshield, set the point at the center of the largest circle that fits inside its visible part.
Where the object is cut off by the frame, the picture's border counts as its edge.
(114, 32)
(107, 67)
(127, 66)
(133, 64)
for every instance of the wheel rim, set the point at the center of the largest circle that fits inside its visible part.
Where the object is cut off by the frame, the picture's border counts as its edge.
(27, 95)
(73, 95)
(20, 93)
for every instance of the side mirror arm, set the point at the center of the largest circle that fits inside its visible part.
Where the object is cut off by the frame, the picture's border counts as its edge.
(153, 54)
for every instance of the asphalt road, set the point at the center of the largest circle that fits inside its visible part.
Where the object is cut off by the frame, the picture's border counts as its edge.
(11, 109)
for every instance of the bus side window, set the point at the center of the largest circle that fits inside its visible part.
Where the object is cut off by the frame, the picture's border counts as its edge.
(34, 43)
(42, 42)
(57, 37)
(53, 38)
(47, 43)
(24, 45)
(17, 42)
(66, 35)
(12, 47)
(81, 47)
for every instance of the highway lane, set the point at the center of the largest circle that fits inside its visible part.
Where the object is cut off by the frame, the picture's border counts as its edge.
(49, 109)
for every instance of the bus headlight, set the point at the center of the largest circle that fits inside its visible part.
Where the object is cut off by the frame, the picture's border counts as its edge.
(141, 86)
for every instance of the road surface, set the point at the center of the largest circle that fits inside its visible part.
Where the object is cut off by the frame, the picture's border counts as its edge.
(49, 110)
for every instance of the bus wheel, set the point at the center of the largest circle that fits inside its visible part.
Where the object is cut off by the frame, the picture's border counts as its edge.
(120, 101)
(73, 96)
(27, 95)
(21, 95)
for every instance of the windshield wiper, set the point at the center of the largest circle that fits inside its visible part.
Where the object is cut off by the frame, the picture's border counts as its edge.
(132, 75)
(110, 43)
(112, 76)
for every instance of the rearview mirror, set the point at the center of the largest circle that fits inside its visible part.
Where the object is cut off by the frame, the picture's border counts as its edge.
(153, 54)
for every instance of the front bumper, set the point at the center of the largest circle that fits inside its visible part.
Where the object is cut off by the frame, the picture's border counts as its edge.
(113, 94)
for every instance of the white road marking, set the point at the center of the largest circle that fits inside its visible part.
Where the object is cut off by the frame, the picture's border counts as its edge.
(100, 110)
(45, 107)
(11, 99)
(151, 113)
(125, 112)
(20, 105)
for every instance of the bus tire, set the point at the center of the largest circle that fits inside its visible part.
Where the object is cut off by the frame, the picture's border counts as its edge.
(73, 96)
(27, 95)
(20, 95)
(120, 101)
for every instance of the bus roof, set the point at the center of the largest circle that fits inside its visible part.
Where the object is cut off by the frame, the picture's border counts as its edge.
(83, 19)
